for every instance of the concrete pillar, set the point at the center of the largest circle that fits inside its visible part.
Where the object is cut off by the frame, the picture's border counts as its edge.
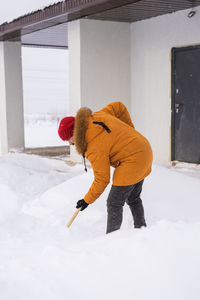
(99, 63)
(11, 97)
(74, 43)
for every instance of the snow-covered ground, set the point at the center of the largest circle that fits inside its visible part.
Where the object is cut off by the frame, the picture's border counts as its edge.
(40, 258)
(42, 131)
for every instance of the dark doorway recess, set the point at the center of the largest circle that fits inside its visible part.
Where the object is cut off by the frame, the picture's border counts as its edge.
(186, 104)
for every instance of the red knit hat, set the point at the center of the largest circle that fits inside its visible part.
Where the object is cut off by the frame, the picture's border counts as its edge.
(66, 127)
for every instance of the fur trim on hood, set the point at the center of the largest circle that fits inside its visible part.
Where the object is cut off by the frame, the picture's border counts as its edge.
(80, 128)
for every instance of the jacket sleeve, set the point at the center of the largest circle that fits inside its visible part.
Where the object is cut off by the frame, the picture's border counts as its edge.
(119, 110)
(101, 168)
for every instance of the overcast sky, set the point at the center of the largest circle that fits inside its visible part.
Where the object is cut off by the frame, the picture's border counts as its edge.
(10, 10)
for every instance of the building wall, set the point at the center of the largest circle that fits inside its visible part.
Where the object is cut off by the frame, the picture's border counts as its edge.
(105, 63)
(151, 43)
(99, 63)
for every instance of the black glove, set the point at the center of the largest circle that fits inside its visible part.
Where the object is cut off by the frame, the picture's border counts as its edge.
(81, 203)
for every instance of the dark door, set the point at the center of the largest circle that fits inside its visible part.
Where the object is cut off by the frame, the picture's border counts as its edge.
(186, 104)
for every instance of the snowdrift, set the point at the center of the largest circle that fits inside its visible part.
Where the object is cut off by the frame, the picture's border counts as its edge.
(41, 258)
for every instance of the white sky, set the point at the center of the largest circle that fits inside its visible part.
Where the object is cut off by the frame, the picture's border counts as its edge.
(10, 10)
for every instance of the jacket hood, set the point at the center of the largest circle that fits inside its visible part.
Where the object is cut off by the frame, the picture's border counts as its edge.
(80, 128)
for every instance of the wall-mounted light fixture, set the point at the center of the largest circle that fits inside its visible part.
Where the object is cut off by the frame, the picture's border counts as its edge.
(192, 12)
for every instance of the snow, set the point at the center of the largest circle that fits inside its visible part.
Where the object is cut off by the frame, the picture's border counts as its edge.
(10, 11)
(45, 81)
(41, 258)
(46, 95)
(41, 131)
(9, 210)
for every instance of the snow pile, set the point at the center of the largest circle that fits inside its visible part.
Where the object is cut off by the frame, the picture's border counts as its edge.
(8, 203)
(41, 258)
(173, 197)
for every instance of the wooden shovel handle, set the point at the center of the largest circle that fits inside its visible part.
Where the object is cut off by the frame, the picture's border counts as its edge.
(73, 217)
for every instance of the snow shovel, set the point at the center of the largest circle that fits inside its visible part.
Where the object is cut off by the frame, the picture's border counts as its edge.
(73, 217)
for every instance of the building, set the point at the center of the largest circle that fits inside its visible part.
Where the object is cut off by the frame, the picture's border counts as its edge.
(144, 53)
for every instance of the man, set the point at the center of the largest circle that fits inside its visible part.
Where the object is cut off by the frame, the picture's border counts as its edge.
(108, 138)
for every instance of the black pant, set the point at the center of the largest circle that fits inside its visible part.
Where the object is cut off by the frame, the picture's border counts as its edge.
(116, 199)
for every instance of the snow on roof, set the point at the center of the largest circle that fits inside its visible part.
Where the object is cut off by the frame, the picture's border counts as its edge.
(22, 8)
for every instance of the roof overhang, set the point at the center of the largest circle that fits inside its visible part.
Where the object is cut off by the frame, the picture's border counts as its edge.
(48, 27)
(56, 14)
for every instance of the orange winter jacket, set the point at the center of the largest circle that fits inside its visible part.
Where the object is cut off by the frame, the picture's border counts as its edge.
(108, 138)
